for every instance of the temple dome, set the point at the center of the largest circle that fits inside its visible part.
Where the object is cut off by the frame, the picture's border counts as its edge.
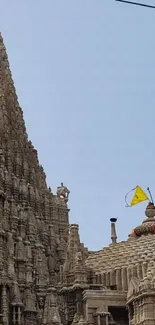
(148, 225)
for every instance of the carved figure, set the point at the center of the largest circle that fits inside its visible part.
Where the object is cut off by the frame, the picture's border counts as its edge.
(78, 258)
(63, 192)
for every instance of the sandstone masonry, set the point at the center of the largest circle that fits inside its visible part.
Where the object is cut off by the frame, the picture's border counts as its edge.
(47, 276)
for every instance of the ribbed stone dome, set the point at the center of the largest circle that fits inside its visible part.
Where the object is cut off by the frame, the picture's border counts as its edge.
(148, 225)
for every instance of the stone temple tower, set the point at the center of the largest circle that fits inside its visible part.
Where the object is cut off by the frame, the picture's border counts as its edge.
(47, 276)
(33, 221)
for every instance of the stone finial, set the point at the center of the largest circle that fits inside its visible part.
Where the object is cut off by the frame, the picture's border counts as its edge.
(113, 231)
(63, 192)
(148, 225)
(150, 211)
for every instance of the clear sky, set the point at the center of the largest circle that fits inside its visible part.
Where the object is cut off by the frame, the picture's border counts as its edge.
(84, 71)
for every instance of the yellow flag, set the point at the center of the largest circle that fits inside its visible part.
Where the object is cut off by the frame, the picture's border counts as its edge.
(139, 196)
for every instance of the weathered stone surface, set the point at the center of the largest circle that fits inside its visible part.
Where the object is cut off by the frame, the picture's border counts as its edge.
(47, 276)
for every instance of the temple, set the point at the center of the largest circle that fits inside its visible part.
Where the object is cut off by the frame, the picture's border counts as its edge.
(47, 276)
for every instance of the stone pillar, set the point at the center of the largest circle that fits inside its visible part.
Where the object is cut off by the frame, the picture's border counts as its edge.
(150, 308)
(118, 279)
(124, 279)
(1, 249)
(129, 274)
(129, 314)
(138, 311)
(135, 312)
(107, 279)
(112, 278)
(98, 320)
(134, 271)
(103, 279)
(61, 273)
(1, 209)
(19, 315)
(144, 268)
(144, 308)
(5, 306)
(79, 303)
(139, 271)
(14, 314)
(113, 231)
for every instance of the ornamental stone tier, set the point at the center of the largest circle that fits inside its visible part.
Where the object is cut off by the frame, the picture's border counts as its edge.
(47, 276)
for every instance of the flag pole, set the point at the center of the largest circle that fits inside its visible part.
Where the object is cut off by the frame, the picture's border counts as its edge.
(150, 195)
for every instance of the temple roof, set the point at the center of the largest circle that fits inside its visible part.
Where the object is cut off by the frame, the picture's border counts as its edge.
(139, 248)
(123, 254)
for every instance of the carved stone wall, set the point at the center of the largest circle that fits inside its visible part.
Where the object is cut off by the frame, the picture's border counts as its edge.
(34, 222)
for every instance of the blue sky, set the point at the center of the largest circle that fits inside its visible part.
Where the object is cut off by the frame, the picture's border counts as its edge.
(84, 71)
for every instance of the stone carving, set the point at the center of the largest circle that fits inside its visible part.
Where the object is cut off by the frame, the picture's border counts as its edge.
(51, 266)
(42, 275)
(51, 313)
(78, 258)
(7, 181)
(31, 223)
(63, 192)
(23, 190)
(30, 301)
(20, 249)
(41, 302)
(6, 214)
(10, 248)
(15, 294)
(47, 276)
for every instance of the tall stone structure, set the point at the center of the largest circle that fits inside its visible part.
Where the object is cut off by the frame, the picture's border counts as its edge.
(47, 276)
(34, 222)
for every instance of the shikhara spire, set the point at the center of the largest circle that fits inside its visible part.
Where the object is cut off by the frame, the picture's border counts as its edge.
(16, 149)
(12, 124)
(47, 276)
(30, 254)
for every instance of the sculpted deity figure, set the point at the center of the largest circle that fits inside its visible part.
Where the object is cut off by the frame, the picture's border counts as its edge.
(15, 294)
(41, 302)
(78, 258)
(20, 249)
(51, 311)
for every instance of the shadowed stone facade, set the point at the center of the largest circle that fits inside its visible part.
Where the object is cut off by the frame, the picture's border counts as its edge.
(47, 276)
